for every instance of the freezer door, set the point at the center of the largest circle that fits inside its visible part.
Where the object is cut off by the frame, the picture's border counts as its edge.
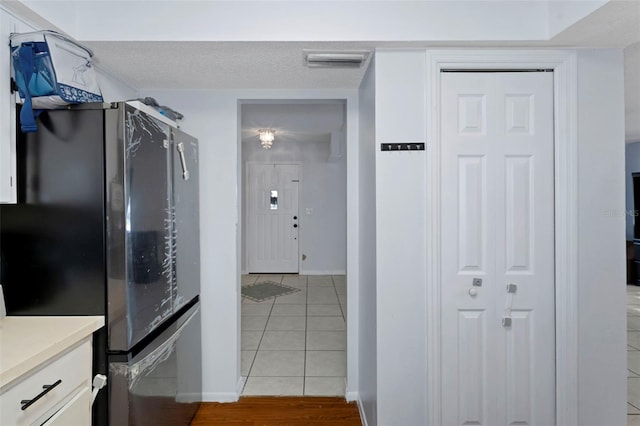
(162, 385)
(187, 218)
(139, 227)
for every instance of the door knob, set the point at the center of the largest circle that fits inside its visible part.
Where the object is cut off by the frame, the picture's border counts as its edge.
(295, 225)
(473, 292)
(295, 217)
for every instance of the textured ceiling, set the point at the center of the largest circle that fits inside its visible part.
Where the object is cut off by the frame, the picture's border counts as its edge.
(223, 65)
(616, 24)
(293, 121)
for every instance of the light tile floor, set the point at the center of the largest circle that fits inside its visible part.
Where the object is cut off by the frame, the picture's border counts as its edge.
(633, 355)
(296, 344)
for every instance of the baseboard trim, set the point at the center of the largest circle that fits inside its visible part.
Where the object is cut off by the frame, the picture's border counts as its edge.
(219, 396)
(186, 398)
(352, 396)
(240, 386)
(363, 416)
(334, 272)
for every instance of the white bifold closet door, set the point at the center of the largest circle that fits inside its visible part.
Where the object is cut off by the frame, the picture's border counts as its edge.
(497, 288)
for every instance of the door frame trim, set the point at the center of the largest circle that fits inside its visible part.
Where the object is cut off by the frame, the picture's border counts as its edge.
(564, 65)
(245, 195)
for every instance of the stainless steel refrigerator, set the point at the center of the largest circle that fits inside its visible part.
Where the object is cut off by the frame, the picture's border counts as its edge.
(107, 224)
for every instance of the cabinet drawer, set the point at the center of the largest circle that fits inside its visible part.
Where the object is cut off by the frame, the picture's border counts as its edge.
(75, 412)
(72, 368)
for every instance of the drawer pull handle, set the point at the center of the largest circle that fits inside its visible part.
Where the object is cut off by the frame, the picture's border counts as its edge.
(26, 403)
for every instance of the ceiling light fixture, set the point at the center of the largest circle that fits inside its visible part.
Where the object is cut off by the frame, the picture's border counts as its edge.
(266, 137)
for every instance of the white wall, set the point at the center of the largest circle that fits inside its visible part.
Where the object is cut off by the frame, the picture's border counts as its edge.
(601, 256)
(400, 100)
(401, 217)
(309, 20)
(632, 90)
(367, 361)
(323, 234)
(213, 117)
(313, 20)
(113, 88)
(322, 188)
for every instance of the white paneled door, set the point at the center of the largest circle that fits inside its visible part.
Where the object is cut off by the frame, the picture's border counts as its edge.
(272, 238)
(497, 288)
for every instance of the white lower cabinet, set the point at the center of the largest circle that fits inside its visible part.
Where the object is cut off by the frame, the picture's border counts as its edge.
(58, 392)
(75, 412)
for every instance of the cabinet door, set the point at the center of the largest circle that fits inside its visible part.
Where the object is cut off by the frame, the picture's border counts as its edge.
(75, 412)
(7, 116)
(71, 370)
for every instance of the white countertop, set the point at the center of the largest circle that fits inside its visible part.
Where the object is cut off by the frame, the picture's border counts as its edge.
(26, 342)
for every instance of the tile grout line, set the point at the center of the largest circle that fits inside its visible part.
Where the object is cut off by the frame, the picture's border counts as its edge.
(258, 348)
(344, 317)
(261, 337)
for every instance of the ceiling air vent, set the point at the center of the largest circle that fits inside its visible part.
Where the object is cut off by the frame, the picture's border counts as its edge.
(343, 59)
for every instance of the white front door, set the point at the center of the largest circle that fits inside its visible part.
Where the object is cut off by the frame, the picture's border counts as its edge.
(497, 288)
(272, 238)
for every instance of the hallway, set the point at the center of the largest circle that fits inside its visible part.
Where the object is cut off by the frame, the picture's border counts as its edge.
(295, 344)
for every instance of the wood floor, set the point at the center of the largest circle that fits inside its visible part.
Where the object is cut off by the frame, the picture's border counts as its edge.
(279, 411)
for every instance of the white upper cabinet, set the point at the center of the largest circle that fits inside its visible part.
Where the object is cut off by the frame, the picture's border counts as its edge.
(8, 24)
(7, 116)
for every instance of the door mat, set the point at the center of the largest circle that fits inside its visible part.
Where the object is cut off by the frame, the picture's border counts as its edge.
(266, 290)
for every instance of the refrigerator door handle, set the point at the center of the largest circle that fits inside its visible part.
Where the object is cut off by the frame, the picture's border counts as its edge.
(183, 161)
